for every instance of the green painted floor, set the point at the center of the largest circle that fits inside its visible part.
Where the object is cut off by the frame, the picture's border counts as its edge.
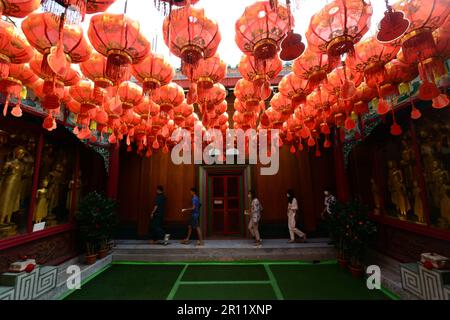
(222, 281)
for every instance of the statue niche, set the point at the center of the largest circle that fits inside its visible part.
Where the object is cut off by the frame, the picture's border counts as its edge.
(10, 187)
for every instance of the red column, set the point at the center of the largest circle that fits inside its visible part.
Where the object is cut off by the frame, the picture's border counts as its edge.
(113, 177)
(342, 188)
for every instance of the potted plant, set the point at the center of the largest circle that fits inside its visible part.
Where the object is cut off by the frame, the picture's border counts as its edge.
(96, 219)
(358, 232)
(107, 223)
(337, 224)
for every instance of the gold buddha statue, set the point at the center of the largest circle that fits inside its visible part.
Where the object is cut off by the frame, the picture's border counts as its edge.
(445, 206)
(418, 203)
(73, 188)
(427, 151)
(54, 191)
(407, 164)
(376, 197)
(11, 180)
(27, 177)
(41, 210)
(55, 177)
(437, 181)
(397, 189)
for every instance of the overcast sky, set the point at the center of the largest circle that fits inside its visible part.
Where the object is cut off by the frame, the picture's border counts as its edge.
(225, 12)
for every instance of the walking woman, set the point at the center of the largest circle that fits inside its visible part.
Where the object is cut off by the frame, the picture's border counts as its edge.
(291, 213)
(195, 217)
(255, 216)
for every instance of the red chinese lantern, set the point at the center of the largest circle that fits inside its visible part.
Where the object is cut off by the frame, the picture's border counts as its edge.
(52, 90)
(310, 114)
(190, 35)
(433, 70)
(276, 119)
(157, 124)
(53, 84)
(153, 72)
(336, 28)
(212, 97)
(435, 65)
(364, 94)
(248, 114)
(61, 45)
(130, 94)
(396, 73)
(295, 88)
(182, 112)
(95, 70)
(320, 101)
(220, 122)
(294, 124)
(342, 82)
(14, 48)
(130, 119)
(250, 110)
(73, 106)
(282, 104)
(245, 91)
(221, 107)
(169, 97)
(313, 67)
(424, 16)
(370, 59)
(146, 109)
(260, 72)
(114, 111)
(19, 75)
(244, 121)
(207, 72)
(261, 28)
(18, 8)
(83, 93)
(190, 122)
(120, 40)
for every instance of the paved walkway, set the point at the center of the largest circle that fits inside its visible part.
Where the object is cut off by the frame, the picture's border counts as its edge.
(225, 244)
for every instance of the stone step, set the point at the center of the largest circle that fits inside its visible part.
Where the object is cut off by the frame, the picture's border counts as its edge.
(224, 250)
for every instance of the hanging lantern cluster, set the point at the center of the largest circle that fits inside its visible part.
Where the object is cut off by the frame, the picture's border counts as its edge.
(127, 92)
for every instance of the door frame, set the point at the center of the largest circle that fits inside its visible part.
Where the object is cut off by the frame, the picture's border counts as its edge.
(225, 202)
(205, 171)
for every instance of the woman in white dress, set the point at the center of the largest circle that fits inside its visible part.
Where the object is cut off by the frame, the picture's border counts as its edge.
(291, 213)
(255, 216)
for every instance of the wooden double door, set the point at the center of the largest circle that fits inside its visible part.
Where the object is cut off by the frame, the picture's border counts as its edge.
(226, 207)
